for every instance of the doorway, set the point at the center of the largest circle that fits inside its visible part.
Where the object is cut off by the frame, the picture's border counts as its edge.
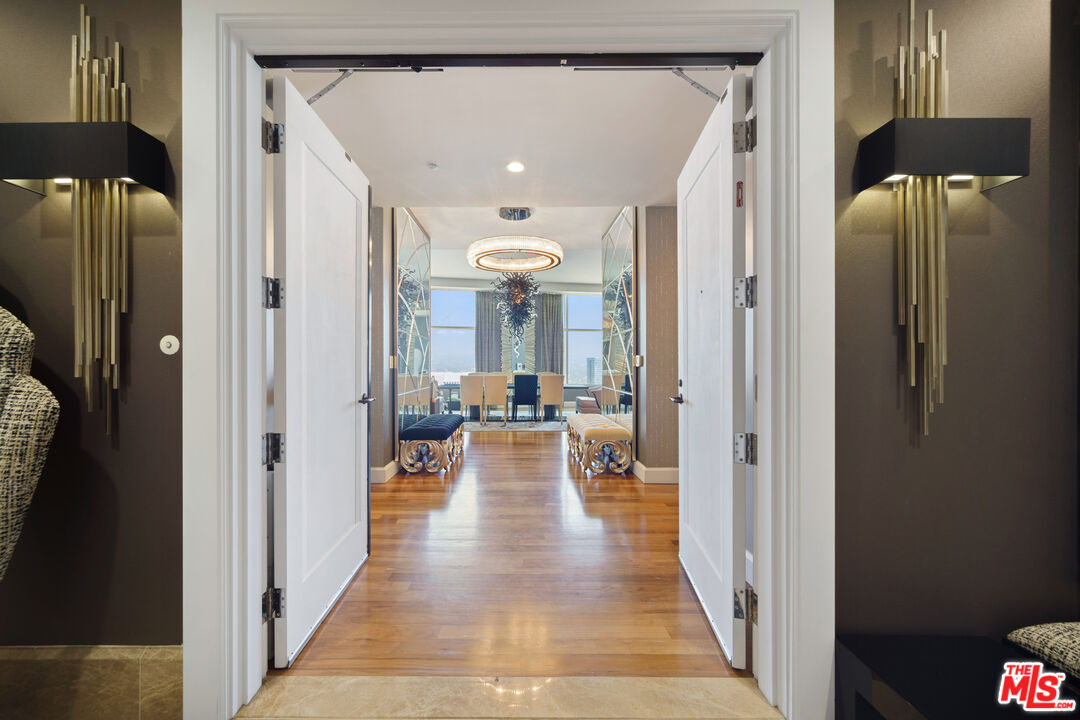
(393, 142)
(197, 572)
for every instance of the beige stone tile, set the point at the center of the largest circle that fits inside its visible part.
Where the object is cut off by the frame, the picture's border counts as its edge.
(161, 684)
(72, 652)
(561, 697)
(67, 686)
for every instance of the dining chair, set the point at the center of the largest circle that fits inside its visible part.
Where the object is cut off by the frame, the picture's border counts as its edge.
(551, 391)
(495, 393)
(525, 393)
(472, 393)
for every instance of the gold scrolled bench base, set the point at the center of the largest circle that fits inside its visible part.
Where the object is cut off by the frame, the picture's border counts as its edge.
(598, 443)
(430, 455)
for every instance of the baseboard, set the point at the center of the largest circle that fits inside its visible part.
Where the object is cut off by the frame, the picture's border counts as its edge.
(91, 681)
(656, 475)
(383, 474)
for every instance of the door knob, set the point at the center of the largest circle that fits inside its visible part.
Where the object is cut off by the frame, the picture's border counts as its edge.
(366, 400)
(677, 399)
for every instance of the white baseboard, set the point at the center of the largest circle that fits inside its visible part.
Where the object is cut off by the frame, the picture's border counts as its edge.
(384, 473)
(656, 475)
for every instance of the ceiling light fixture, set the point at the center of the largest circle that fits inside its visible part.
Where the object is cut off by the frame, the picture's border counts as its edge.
(514, 214)
(515, 166)
(514, 253)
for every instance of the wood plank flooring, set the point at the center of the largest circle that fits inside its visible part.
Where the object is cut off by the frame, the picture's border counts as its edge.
(515, 563)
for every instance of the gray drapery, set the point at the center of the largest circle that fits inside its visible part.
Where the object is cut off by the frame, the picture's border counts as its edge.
(488, 333)
(549, 333)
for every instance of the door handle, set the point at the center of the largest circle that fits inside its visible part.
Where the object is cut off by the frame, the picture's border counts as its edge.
(677, 399)
(366, 400)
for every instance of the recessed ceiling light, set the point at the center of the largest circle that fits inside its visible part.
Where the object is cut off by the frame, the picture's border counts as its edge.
(62, 181)
(961, 177)
(433, 166)
(515, 166)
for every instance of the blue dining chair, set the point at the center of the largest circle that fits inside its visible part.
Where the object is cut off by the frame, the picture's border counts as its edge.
(525, 393)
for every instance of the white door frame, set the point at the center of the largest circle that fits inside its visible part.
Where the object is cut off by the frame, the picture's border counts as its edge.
(223, 322)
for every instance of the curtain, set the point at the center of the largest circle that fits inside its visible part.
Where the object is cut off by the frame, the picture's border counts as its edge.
(549, 333)
(488, 333)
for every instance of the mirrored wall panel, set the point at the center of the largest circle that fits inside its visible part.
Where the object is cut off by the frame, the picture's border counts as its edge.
(617, 395)
(414, 388)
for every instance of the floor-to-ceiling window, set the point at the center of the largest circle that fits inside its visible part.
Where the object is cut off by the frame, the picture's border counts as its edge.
(583, 325)
(453, 334)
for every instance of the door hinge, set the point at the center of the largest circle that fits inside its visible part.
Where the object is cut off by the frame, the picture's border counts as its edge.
(752, 603)
(272, 293)
(746, 292)
(739, 614)
(273, 603)
(744, 135)
(273, 135)
(746, 448)
(273, 449)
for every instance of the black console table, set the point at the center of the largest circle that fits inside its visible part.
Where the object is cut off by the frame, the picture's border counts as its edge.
(931, 677)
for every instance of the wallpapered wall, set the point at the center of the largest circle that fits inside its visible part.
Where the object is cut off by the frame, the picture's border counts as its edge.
(99, 558)
(974, 529)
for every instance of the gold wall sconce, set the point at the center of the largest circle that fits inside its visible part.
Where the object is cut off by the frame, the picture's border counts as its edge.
(919, 152)
(98, 153)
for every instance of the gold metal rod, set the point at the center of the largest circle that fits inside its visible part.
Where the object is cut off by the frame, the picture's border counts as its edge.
(901, 256)
(123, 248)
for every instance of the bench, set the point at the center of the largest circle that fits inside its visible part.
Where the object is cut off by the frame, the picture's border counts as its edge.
(431, 443)
(598, 443)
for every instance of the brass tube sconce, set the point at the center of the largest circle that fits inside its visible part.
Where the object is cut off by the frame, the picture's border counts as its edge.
(919, 152)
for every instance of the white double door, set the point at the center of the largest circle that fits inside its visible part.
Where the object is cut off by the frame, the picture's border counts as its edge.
(713, 372)
(320, 352)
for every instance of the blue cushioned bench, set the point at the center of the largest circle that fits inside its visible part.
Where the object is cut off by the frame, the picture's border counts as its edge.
(431, 443)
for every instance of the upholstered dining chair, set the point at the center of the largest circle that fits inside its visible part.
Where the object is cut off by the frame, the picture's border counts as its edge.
(525, 393)
(28, 415)
(551, 391)
(472, 393)
(495, 393)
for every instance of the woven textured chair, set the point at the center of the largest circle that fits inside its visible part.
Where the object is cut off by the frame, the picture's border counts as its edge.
(28, 415)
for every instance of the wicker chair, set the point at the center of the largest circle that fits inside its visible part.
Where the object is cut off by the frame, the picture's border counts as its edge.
(28, 415)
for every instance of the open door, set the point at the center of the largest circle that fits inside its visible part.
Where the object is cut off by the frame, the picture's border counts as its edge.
(712, 372)
(320, 508)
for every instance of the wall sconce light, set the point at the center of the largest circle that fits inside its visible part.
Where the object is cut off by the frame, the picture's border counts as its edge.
(920, 152)
(98, 154)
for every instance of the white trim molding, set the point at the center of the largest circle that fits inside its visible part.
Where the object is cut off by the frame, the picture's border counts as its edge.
(383, 474)
(224, 515)
(656, 475)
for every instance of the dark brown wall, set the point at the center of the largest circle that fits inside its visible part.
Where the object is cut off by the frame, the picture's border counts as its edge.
(974, 529)
(99, 557)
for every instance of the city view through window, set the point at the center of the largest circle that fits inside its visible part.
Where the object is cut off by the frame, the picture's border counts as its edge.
(453, 336)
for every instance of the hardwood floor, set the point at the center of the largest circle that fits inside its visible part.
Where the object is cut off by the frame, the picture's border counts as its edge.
(515, 563)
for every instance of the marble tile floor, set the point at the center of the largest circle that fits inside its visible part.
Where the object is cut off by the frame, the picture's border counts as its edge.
(369, 697)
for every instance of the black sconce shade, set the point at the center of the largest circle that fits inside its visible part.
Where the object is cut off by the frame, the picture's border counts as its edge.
(995, 148)
(82, 150)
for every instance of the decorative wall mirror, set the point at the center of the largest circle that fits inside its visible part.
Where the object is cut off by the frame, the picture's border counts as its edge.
(413, 252)
(618, 381)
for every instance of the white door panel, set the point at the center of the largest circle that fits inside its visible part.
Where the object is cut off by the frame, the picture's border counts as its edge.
(712, 362)
(320, 370)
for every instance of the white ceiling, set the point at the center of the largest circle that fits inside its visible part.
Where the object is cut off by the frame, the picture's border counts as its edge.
(596, 139)
(572, 227)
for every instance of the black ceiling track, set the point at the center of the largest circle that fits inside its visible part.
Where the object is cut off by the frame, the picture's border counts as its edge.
(572, 60)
